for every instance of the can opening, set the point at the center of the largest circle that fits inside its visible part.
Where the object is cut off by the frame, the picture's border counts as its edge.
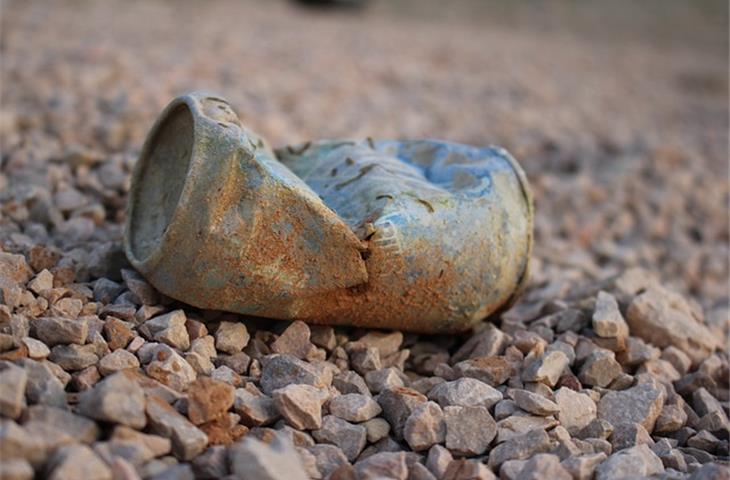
(164, 168)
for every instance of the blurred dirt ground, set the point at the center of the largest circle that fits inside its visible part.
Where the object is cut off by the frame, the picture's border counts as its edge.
(617, 110)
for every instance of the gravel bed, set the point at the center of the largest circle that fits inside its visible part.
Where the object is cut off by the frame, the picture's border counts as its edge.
(614, 363)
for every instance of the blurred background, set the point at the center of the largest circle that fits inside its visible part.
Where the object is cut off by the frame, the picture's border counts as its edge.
(617, 110)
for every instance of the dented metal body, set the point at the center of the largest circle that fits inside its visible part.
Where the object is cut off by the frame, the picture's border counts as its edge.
(423, 235)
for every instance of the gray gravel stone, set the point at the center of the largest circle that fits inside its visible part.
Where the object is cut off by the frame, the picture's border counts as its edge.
(584, 466)
(116, 361)
(61, 330)
(376, 428)
(398, 404)
(379, 380)
(640, 404)
(547, 368)
(638, 461)
(294, 341)
(169, 329)
(469, 430)
(534, 403)
(187, 440)
(300, 405)
(251, 458)
(281, 370)
(607, 320)
(383, 465)
(231, 337)
(350, 438)
(599, 369)
(13, 381)
(544, 465)
(117, 399)
(328, 458)
(76, 462)
(354, 407)
(74, 357)
(519, 448)
(493, 370)
(169, 368)
(577, 410)
(43, 386)
(465, 392)
(255, 408)
(425, 427)
(16, 469)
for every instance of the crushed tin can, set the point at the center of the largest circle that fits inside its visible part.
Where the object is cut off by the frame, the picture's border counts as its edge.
(423, 235)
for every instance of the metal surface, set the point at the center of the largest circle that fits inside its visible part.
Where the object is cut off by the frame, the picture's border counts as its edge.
(423, 235)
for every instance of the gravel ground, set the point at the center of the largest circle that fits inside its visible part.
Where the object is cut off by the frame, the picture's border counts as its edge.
(614, 364)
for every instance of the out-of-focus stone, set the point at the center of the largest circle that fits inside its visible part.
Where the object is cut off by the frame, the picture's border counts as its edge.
(208, 399)
(255, 408)
(117, 399)
(638, 461)
(534, 403)
(13, 381)
(251, 458)
(383, 465)
(187, 440)
(75, 462)
(60, 330)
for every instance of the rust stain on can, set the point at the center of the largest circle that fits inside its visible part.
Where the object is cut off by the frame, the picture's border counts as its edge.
(422, 235)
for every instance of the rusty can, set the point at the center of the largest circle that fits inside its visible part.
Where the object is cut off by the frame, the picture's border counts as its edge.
(423, 235)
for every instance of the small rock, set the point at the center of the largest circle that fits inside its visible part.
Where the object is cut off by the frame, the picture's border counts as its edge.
(398, 404)
(350, 382)
(323, 336)
(16, 469)
(425, 427)
(60, 330)
(350, 438)
(386, 343)
(438, 460)
(577, 410)
(74, 357)
(640, 404)
(43, 386)
(465, 392)
(364, 359)
(116, 361)
(517, 425)
(294, 340)
(544, 465)
(211, 464)
(42, 281)
(105, 290)
(156, 444)
(256, 409)
(547, 369)
(300, 405)
(679, 360)
(664, 319)
(599, 369)
(583, 467)
(519, 448)
(379, 380)
(187, 440)
(75, 462)
(671, 419)
(376, 428)
(638, 461)
(37, 350)
(607, 320)
(492, 370)
(469, 430)
(80, 428)
(117, 399)
(170, 329)
(254, 459)
(13, 381)
(534, 403)
(354, 407)
(231, 337)
(627, 435)
(390, 465)
(282, 370)
(208, 399)
(465, 469)
(14, 270)
(328, 458)
(169, 368)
